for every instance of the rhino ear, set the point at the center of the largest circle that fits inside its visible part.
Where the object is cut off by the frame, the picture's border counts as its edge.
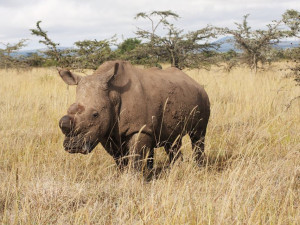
(68, 77)
(111, 74)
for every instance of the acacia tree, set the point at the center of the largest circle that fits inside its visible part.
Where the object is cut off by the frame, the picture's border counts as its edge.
(6, 58)
(128, 45)
(291, 18)
(53, 52)
(176, 47)
(255, 45)
(91, 53)
(88, 54)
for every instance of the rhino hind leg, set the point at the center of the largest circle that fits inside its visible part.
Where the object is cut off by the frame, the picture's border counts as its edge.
(141, 151)
(150, 159)
(173, 150)
(198, 143)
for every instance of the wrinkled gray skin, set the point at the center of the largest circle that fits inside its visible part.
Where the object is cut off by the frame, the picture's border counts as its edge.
(131, 111)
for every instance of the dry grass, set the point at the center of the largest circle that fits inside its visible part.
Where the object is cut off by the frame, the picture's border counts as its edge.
(252, 172)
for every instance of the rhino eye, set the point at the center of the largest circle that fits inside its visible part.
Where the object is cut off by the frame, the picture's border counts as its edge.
(95, 115)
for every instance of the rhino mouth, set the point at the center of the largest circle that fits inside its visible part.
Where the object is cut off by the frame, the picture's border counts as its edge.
(78, 145)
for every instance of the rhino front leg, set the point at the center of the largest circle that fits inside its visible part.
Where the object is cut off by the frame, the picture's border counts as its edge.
(119, 152)
(141, 151)
(121, 161)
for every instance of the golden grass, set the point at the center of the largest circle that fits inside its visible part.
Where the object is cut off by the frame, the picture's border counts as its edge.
(252, 172)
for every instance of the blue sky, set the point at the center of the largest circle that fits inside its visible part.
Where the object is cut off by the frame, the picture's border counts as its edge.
(68, 21)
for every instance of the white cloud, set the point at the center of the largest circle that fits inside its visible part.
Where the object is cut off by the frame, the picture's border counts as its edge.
(68, 21)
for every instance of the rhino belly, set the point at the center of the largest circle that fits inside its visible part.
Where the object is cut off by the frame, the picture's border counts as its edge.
(178, 119)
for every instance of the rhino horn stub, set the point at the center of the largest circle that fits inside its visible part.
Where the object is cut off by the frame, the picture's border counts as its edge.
(66, 124)
(76, 108)
(69, 77)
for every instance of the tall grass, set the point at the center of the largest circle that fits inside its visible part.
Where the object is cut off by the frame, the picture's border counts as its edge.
(251, 176)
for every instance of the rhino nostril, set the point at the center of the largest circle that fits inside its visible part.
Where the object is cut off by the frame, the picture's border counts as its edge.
(66, 124)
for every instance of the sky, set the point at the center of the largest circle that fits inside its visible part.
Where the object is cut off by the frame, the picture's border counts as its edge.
(68, 21)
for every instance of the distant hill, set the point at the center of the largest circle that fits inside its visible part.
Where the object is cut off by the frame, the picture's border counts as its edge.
(227, 43)
(32, 51)
(25, 52)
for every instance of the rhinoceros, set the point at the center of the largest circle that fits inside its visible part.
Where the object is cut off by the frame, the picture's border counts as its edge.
(131, 111)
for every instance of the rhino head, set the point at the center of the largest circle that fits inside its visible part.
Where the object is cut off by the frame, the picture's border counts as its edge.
(88, 119)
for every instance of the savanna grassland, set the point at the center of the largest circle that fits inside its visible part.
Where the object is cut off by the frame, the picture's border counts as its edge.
(251, 176)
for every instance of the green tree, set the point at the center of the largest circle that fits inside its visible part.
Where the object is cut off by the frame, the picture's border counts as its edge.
(53, 52)
(291, 18)
(35, 60)
(128, 45)
(255, 45)
(7, 60)
(86, 54)
(91, 53)
(228, 60)
(174, 46)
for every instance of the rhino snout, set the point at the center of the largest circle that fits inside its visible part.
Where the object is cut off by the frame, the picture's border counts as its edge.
(66, 124)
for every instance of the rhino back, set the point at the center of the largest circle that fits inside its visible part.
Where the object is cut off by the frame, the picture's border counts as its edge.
(162, 100)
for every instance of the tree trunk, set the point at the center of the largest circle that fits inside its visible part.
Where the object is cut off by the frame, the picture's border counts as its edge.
(255, 67)
(177, 63)
(174, 61)
(254, 64)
